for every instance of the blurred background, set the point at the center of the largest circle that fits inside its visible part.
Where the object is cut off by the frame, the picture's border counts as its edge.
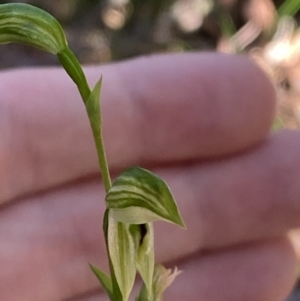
(100, 31)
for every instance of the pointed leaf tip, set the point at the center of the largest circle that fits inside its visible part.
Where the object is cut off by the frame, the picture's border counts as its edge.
(138, 196)
(104, 279)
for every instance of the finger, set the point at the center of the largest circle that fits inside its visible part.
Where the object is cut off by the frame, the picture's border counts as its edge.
(46, 243)
(92, 296)
(155, 110)
(261, 272)
(200, 111)
(250, 197)
(227, 203)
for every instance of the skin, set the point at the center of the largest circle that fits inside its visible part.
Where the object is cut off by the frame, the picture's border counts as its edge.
(201, 121)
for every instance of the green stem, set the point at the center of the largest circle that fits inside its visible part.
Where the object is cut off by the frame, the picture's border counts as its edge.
(73, 68)
(97, 133)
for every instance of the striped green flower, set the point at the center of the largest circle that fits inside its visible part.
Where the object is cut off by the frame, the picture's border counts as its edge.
(138, 196)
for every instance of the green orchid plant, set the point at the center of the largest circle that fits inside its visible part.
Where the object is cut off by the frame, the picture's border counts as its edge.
(134, 200)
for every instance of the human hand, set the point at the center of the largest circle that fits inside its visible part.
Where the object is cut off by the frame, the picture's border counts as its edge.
(202, 122)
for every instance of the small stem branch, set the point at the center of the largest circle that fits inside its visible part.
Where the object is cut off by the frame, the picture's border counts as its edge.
(73, 68)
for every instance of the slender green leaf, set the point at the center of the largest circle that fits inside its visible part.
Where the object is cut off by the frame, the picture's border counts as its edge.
(104, 279)
(138, 196)
(289, 8)
(93, 108)
(227, 25)
(143, 236)
(94, 113)
(23, 23)
(121, 249)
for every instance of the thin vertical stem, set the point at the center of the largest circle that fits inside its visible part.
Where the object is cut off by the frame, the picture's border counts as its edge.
(102, 157)
(73, 68)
